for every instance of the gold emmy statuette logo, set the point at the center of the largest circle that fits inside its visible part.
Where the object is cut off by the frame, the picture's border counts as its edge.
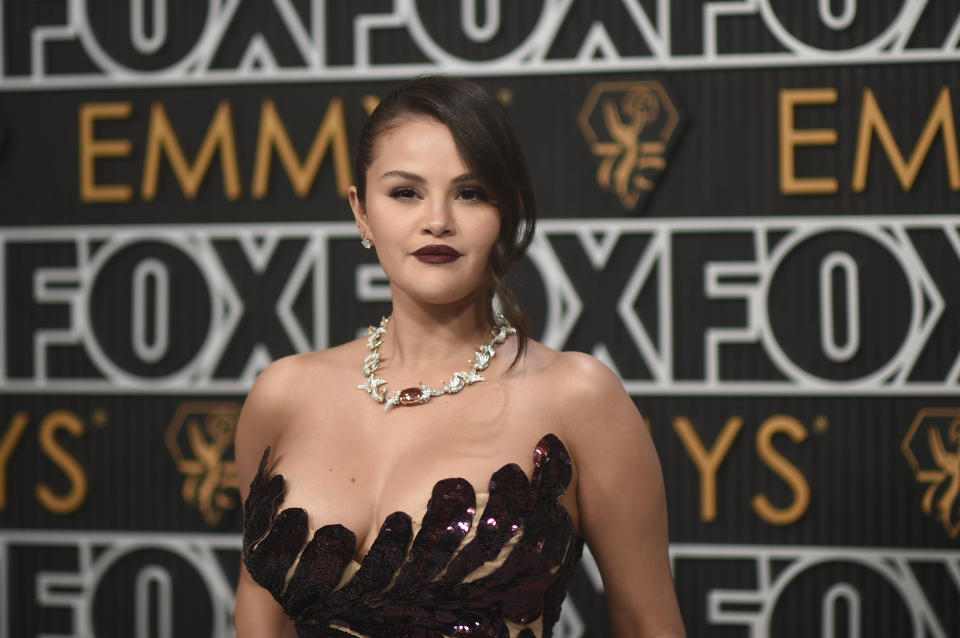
(629, 126)
(932, 447)
(198, 436)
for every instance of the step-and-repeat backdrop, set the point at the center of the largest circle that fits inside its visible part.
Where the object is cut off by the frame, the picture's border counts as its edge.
(749, 211)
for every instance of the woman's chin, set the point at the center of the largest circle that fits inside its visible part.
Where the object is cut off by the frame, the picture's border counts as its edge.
(443, 297)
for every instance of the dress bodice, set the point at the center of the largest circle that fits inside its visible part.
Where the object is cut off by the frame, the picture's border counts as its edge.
(494, 564)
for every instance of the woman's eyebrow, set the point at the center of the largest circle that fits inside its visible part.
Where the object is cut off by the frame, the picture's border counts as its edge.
(413, 177)
(466, 177)
(418, 179)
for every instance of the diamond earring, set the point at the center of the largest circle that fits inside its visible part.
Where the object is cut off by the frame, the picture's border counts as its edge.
(366, 242)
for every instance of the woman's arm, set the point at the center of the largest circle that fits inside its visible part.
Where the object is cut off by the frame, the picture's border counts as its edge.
(256, 614)
(621, 502)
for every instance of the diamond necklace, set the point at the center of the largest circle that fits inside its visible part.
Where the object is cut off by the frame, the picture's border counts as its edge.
(418, 395)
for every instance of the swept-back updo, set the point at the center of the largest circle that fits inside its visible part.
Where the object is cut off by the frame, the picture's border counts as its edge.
(488, 145)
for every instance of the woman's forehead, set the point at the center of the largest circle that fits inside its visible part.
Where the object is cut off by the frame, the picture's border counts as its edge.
(417, 145)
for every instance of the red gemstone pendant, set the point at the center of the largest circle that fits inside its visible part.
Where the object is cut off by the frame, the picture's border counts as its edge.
(410, 396)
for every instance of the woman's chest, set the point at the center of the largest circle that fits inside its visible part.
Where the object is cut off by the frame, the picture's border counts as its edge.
(357, 474)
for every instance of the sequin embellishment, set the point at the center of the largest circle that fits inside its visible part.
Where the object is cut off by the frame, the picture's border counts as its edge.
(425, 583)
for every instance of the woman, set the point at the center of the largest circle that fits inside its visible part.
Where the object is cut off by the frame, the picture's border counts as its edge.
(344, 448)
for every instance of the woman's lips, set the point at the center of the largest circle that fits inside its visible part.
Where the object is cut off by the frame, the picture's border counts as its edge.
(437, 254)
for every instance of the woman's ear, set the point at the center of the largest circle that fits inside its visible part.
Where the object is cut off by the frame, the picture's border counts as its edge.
(359, 213)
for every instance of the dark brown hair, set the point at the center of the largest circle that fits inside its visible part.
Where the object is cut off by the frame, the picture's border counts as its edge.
(488, 145)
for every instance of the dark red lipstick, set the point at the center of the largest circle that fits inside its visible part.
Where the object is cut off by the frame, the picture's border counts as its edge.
(437, 254)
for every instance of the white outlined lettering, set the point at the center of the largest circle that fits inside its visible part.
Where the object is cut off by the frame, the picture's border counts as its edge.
(811, 359)
(530, 56)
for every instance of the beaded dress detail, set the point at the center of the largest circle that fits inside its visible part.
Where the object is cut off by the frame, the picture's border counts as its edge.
(493, 564)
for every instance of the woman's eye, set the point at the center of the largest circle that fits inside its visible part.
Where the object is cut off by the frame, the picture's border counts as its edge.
(404, 192)
(472, 194)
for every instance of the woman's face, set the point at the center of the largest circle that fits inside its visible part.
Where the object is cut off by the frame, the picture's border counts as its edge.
(429, 217)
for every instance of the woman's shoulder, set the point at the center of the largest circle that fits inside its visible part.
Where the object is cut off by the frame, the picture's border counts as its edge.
(583, 394)
(576, 376)
(293, 372)
(292, 385)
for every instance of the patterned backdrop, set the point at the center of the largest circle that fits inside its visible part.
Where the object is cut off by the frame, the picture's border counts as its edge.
(750, 211)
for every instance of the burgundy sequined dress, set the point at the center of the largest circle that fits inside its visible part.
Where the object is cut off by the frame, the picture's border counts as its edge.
(493, 564)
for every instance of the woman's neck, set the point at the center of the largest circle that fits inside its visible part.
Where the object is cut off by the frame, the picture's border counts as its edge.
(424, 339)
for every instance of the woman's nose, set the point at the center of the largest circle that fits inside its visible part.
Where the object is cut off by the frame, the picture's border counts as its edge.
(439, 219)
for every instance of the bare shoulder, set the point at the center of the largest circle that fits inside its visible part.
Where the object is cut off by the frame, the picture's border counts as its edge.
(277, 387)
(576, 379)
(282, 391)
(620, 496)
(584, 394)
(286, 380)
(587, 375)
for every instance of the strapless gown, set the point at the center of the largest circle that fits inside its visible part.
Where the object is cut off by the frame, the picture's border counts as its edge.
(494, 564)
